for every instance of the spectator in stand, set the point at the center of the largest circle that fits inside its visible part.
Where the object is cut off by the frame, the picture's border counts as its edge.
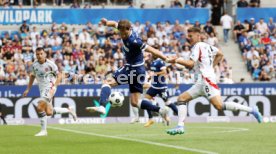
(271, 26)
(176, 4)
(197, 24)
(244, 42)
(188, 4)
(75, 5)
(262, 26)
(209, 28)
(212, 40)
(227, 23)
(255, 3)
(242, 3)
(24, 27)
(238, 28)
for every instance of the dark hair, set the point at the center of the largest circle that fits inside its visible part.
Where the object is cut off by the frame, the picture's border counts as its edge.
(39, 49)
(194, 30)
(124, 25)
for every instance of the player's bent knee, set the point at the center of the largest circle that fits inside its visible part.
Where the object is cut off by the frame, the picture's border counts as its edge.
(134, 103)
(41, 106)
(49, 113)
(219, 107)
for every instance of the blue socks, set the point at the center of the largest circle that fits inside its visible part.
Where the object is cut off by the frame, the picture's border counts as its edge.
(150, 114)
(174, 108)
(105, 92)
(145, 104)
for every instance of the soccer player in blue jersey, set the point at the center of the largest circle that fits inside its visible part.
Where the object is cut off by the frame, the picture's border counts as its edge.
(158, 87)
(133, 72)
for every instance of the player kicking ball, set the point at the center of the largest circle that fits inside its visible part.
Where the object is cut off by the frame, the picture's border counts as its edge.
(203, 58)
(133, 72)
(158, 87)
(47, 76)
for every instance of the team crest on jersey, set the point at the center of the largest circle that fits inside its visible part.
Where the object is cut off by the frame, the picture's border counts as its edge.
(125, 48)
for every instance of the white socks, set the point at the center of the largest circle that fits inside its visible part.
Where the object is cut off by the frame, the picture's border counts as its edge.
(235, 107)
(43, 121)
(135, 111)
(60, 110)
(182, 113)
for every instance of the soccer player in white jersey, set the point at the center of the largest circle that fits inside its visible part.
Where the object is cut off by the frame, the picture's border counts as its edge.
(203, 58)
(47, 76)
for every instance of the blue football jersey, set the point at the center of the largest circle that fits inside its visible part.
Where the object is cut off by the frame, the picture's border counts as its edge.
(158, 80)
(133, 48)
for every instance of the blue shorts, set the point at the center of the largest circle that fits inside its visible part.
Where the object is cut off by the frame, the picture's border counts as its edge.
(133, 76)
(163, 93)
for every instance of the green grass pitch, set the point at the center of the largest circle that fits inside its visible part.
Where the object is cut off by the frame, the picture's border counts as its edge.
(135, 139)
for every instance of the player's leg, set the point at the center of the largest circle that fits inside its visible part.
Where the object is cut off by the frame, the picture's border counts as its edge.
(233, 106)
(41, 109)
(149, 96)
(60, 110)
(164, 95)
(135, 112)
(3, 118)
(211, 91)
(104, 96)
(135, 94)
(182, 101)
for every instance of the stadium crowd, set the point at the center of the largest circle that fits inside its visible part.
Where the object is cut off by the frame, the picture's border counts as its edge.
(94, 51)
(257, 40)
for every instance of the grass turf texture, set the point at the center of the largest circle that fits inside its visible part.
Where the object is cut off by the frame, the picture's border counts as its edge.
(216, 137)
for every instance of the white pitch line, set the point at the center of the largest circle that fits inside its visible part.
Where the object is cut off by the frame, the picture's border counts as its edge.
(135, 140)
(232, 129)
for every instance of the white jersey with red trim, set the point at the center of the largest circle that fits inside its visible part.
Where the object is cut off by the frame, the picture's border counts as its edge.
(45, 74)
(203, 55)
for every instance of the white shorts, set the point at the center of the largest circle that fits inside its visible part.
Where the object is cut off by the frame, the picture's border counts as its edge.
(205, 87)
(45, 94)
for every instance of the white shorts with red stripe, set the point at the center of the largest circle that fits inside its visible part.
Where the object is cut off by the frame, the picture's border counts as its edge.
(47, 93)
(204, 87)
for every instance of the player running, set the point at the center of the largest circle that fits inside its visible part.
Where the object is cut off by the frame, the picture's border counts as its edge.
(158, 87)
(48, 78)
(133, 73)
(203, 58)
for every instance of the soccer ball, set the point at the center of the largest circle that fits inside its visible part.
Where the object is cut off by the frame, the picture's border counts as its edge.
(116, 99)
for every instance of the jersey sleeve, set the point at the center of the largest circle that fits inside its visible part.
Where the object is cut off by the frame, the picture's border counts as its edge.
(162, 65)
(138, 43)
(214, 50)
(54, 68)
(195, 55)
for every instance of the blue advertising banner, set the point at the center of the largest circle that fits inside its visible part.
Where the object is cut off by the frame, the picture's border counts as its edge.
(256, 13)
(94, 90)
(82, 16)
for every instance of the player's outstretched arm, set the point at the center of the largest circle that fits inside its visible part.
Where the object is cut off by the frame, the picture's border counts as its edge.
(31, 81)
(218, 57)
(187, 63)
(59, 77)
(109, 23)
(157, 53)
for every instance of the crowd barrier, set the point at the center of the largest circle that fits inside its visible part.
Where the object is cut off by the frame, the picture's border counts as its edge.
(82, 16)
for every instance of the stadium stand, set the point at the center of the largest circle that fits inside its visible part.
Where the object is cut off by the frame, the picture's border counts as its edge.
(93, 50)
(256, 40)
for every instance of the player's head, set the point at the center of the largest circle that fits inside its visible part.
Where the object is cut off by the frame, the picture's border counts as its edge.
(194, 35)
(40, 55)
(124, 27)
